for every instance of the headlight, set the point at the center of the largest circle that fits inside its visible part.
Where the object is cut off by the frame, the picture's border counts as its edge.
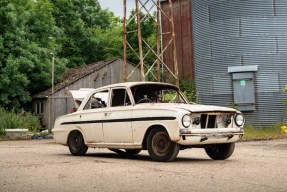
(239, 119)
(186, 121)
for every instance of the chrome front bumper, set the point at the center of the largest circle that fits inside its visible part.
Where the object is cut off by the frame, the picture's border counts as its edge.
(210, 136)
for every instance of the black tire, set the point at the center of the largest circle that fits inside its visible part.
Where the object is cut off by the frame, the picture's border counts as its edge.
(132, 151)
(160, 147)
(77, 144)
(220, 151)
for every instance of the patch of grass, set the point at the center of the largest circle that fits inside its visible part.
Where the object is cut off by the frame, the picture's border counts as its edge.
(12, 120)
(273, 132)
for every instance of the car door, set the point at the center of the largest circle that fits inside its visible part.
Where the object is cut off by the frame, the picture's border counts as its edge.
(92, 117)
(117, 119)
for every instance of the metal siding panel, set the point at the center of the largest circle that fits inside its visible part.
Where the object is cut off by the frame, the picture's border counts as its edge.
(281, 7)
(241, 46)
(268, 82)
(217, 65)
(204, 85)
(213, 84)
(268, 111)
(282, 79)
(261, 41)
(227, 28)
(224, 100)
(222, 84)
(282, 44)
(203, 49)
(264, 26)
(267, 62)
(236, 9)
(200, 19)
(271, 110)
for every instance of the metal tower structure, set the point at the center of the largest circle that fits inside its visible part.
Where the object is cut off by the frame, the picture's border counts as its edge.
(156, 67)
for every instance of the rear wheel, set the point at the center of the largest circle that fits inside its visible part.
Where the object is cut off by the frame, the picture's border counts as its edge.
(220, 151)
(160, 147)
(77, 144)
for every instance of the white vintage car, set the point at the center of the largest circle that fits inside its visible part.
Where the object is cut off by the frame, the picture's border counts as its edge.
(149, 116)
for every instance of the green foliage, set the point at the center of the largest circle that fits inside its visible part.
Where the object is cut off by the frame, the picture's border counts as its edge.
(25, 48)
(169, 96)
(149, 32)
(84, 26)
(188, 88)
(12, 120)
(76, 32)
(234, 106)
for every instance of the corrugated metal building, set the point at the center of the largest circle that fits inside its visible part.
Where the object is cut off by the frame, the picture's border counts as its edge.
(240, 55)
(94, 75)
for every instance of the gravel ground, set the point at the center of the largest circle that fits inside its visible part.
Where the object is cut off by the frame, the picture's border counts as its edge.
(41, 165)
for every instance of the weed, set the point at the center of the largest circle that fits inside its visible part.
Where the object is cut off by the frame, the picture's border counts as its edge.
(273, 132)
(12, 120)
(188, 87)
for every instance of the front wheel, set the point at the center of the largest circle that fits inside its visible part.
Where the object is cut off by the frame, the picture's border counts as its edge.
(220, 151)
(160, 147)
(77, 144)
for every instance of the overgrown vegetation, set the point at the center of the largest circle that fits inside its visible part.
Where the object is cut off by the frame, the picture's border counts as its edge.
(234, 106)
(13, 120)
(273, 132)
(188, 88)
(77, 32)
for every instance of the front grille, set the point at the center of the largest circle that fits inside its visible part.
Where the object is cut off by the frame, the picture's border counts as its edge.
(208, 121)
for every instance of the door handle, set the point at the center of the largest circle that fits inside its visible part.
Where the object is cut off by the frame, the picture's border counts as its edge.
(108, 114)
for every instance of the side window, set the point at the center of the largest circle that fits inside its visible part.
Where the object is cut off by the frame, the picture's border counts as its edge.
(120, 97)
(98, 100)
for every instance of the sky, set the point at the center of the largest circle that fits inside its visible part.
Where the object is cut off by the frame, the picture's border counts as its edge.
(117, 6)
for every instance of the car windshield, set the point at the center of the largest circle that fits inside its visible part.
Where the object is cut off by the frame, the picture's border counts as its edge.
(156, 93)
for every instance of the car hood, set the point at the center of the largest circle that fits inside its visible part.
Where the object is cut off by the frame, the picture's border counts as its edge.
(196, 108)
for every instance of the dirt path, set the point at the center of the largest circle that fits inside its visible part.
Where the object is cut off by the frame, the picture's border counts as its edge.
(44, 166)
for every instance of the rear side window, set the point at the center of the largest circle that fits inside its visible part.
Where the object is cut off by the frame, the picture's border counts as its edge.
(120, 97)
(98, 100)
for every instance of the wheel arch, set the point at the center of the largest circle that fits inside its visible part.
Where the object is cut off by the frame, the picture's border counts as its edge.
(144, 144)
(75, 130)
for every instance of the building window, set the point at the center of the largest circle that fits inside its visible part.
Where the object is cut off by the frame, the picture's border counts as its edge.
(39, 108)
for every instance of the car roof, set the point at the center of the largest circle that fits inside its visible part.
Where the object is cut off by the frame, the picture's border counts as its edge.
(131, 84)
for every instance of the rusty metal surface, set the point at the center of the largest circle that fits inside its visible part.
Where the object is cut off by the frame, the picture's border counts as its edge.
(159, 63)
(182, 10)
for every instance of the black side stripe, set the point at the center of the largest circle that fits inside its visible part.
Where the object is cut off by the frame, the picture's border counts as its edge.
(119, 120)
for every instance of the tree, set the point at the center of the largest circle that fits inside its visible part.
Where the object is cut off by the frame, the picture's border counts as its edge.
(25, 60)
(77, 32)
(149, 32)
(84, 25)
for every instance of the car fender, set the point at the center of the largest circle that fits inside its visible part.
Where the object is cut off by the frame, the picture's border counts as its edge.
(77, 128)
